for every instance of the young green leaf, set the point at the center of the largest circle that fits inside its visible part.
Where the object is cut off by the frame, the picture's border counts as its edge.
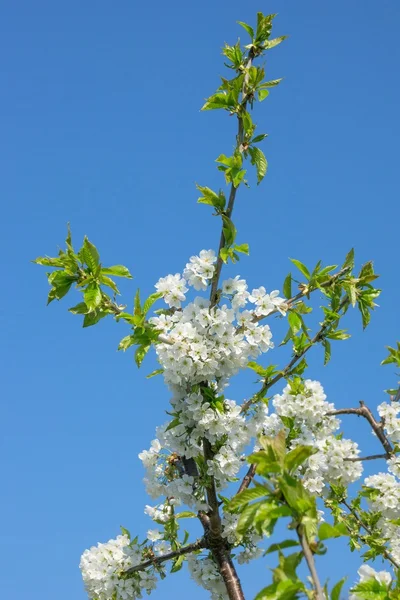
(92, 296)
(302, 268)
(258, 159)
(117, 271)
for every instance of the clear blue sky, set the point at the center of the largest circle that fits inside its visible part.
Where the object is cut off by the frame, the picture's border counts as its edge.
(101, 126)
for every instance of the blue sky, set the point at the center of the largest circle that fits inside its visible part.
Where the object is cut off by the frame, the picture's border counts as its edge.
(101, 127)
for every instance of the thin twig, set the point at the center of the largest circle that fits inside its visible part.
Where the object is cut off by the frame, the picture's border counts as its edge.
(361, 523)
(158, 560)
(268, 383)
(308, 555)
(305, 292)
(371, 457)
(377, 426)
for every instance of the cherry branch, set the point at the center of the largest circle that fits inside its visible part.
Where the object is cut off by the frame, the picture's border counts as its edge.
(233, 191)
(361, 523)
(158, 560)
(308, 555)
(306, 291)
(377, 426)
(268, 383)
(371, 457)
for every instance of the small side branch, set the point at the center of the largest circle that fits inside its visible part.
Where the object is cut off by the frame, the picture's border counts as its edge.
(362, 525)
(371, 457)
(308, 555)
(158, 560)
(377, 426)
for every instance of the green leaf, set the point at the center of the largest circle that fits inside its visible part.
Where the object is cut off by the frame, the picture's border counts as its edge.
(125, 532)
(104, 280)
(177, 564)
(393, 356)
(339, 334)
(243, 248)
(93, 317)
(272, 43)
(117, 271)
(246, 518)
(92, 296)
(219, 100)
(211, 198)
(249, 29)
(224, 254)
(229, 230)
(295, 322)
(150, 301)
(262, 94)
(247, 496)
(297, 456)
(141, 353)
(186, 514)
(137, 307)
(281, 546)
(174, 423)
(126, 342)
(287, 286)
(237, 176)
(46, 261)
(79, 309)
(327, 354)
(327, 531)
(90, 255)
(337, 588)
(60, 289)
(272, 83)
(296, 496)
(302, 268)
(154, 373)
(349, 260)
(259, 138)
(282, 590)
(258, 159)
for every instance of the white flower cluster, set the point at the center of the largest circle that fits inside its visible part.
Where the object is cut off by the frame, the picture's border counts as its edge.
(102, 565)
(205, 573)
(367, 573)
(198, 272)
(390, 412)
(308, 410)
(222, 425)
(205, 343)
(385, 499)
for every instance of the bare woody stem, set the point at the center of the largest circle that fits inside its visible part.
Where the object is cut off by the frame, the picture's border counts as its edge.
(198, 545)
(377, 426)
(308, 555)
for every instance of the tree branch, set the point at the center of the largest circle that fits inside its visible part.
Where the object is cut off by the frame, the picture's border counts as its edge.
(305, 292)
(371, 457)
(158, 560)
(308, 555)
(361, 523)
(268, 383)
(233, 191)
(377, 426)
